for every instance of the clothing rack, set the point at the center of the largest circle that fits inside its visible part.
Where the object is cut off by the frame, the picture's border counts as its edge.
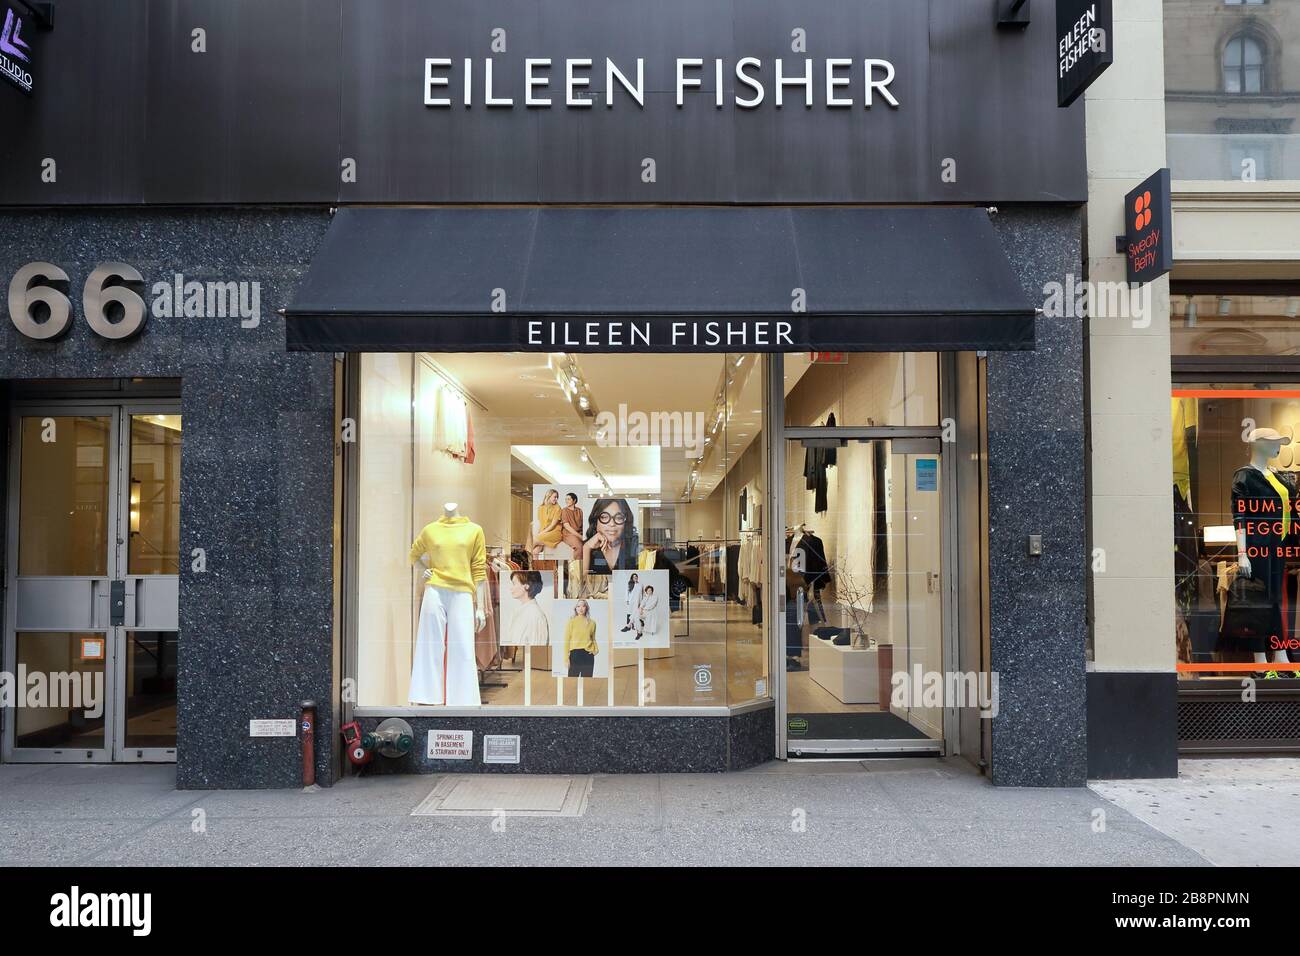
(450, 381)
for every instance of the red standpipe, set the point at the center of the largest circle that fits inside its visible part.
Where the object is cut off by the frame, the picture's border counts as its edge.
(308, 725)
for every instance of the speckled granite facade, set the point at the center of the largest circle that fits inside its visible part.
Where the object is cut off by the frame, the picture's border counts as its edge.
(1036, 485)
(598, 744)
(257, 465)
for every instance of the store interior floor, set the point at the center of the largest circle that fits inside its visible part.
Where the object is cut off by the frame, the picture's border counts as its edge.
(716, 633)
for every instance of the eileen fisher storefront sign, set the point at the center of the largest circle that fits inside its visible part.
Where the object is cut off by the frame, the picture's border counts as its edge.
(631, 333)
(834, 82)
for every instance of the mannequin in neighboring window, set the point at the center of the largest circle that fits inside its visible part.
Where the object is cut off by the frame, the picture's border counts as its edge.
(453, 553)
(1264, 516)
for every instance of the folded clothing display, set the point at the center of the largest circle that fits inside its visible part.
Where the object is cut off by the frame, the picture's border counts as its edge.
(836, 635)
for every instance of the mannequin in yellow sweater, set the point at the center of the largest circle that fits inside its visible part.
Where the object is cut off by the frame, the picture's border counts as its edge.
(454, 606)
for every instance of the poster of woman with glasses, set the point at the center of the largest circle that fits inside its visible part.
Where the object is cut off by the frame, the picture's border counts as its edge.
(611, 541)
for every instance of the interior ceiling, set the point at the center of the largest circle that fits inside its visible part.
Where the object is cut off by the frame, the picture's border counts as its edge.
(526, 406)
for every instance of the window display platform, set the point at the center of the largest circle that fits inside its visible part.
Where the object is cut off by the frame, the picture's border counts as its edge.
(848, 673)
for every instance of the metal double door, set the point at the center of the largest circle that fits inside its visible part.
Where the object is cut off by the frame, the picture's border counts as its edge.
(92, 582)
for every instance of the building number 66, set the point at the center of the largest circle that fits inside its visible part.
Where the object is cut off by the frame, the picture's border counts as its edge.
(40, 309)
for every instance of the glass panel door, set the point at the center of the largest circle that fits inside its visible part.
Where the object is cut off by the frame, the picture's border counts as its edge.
(62, 523)
(94, 558)
(149, 641)
(864, 586)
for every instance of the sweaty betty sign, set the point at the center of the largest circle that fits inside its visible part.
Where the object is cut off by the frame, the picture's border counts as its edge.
(835, 82)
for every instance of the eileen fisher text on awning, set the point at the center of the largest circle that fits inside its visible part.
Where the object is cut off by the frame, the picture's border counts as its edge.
(631, 333)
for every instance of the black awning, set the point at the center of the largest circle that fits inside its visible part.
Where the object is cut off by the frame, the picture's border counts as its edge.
(698, 279)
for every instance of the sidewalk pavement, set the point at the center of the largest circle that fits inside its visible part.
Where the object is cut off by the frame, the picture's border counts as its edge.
(1240, 812)
(893, 812)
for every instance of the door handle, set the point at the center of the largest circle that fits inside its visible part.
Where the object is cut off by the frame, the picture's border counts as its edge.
(116, 603)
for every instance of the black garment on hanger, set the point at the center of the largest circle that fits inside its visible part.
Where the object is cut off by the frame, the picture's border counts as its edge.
(816, 570)
(879, 521)
(816, 462)
(733, 572)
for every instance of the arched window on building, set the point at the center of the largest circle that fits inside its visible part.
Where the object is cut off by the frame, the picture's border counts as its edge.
(1243, 65)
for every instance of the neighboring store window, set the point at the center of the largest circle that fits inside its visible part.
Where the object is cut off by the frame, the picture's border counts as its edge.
(606, 546)
(1231, 100)
(1236, 484)
(1226, 323)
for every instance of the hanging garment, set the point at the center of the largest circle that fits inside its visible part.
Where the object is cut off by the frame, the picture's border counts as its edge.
(1186, 552)
(1185, 411)
(816, 570)
(816, 463)
(469, 438)
(451, 423)
(487, 644)
(732, 582)
(444, 670)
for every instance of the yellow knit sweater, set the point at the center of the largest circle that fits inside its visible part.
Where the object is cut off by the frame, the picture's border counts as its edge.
(457, 553)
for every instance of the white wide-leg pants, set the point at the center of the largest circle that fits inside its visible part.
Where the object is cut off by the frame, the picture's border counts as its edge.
(444, 670)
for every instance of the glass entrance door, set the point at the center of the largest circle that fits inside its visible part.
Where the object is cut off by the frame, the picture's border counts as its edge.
(93, 571)
(864, 588)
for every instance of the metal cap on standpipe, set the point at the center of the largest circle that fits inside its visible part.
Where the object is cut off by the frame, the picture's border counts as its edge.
(392, 738)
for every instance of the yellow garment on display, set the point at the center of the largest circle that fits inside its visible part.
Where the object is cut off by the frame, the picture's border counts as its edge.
(457, 553)
(645, 561)
(1285, 495)
(1185, 416)
(546, 516)
(580, 635)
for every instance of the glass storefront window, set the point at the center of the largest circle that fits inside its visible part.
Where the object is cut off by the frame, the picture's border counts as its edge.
(861, 389)
(1236, 479)
(1232, 324)
(607, 524)
(1231, 98)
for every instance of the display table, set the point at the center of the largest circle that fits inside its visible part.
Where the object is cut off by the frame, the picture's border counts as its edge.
(848, 673)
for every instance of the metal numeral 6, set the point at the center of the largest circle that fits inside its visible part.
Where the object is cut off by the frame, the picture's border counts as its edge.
(39, 307)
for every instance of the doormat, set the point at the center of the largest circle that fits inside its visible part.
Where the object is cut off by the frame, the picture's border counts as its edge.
(485, 795)
(861, 726)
